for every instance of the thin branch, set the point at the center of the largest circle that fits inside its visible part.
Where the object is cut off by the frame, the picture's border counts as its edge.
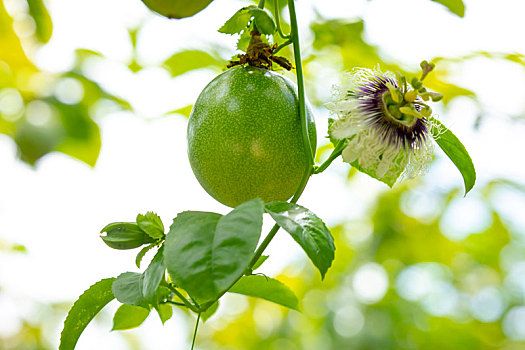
(335, 153)
(195, 331)
(278, 21)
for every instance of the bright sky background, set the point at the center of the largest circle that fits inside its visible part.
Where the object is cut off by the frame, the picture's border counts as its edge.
(57, 209)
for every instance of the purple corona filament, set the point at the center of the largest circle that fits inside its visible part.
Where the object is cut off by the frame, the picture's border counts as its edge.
(391, 130)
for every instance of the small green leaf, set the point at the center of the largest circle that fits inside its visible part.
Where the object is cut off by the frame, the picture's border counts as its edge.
(263, 20)
(457, 7)
(124, 235)
(142, 253)
(165, 312)
(334, 141)
(244, 41)
(241, 19)
(83, 310)
(206, 252)
(457, 153)
(127, 288)
(306, 229)
(161, 295)
(238, 22)
(151, 224)
(205, 316)
(259, 262)
(188, 60)
(188, 251)
(266, 288)
(128, 317)
(153, 274)
(44, 25)
(185, 111)
(390, 177)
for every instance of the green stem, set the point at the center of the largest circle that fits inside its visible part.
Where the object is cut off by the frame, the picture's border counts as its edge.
(195, 331)
(261, 4)
(300, 82)
(263, 245)
(181, 297)
(283, 45)
(335, 153)
(174, 303)
(278, 21)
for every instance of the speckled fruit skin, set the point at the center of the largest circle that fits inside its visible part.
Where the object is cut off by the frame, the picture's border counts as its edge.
(244, 137)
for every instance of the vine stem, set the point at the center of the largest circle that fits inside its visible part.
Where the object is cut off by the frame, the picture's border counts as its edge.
(181, 297)
(300, 82)
(195, 331)
(283, 45)
(335, 153)
(278, 21)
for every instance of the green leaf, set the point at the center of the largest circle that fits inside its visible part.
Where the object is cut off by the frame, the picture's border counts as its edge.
(390, 177)
(83, 310)
(151, 224)
(266, 288)
(128, 317)
(142, 253)
(241, 19)
(457, 153)
(85, 149)
(161, 295)
(206, 252)
(244, 41)
(124, 235)
(188, 60)
(263, 20)
(127, 288)
(185, 111)
(238, 22)
(457, 7)
(81, 138)
(44, 25)
(153, 274)
(306, 229)
(210, 311)
(165, 312)
(259, 262)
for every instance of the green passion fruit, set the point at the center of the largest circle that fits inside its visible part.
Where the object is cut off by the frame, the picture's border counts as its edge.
(244, 137)
(177, 8)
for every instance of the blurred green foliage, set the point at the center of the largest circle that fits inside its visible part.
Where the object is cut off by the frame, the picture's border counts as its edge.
(42, 111)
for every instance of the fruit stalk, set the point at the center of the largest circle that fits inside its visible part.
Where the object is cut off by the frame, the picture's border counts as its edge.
(302, 101)
(300, 82)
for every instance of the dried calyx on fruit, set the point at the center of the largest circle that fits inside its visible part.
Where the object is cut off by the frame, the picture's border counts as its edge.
(260, 54)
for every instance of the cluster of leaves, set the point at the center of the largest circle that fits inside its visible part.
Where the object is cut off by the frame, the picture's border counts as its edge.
(247, 19)
(206, 255)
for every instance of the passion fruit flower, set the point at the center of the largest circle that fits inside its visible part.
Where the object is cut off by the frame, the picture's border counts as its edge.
(386, 126)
